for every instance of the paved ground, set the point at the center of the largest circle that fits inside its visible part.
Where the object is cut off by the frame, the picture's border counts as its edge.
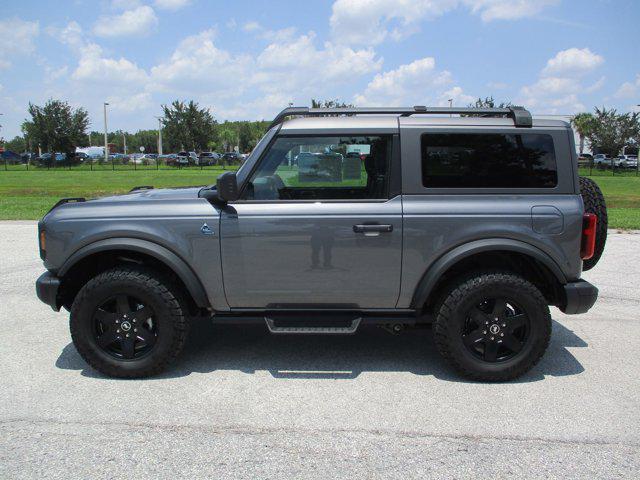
(241, 403)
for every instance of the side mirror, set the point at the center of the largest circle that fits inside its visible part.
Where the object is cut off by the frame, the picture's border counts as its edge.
(227, 187)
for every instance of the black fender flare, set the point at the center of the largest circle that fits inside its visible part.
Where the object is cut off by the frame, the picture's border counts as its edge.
(450, 258)
(164, 255)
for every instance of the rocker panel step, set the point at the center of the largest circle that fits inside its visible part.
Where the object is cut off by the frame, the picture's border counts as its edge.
(309, 329)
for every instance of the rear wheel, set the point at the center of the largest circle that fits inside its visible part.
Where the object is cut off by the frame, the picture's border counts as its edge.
(594, 202)
(493, 326)
(128, 322)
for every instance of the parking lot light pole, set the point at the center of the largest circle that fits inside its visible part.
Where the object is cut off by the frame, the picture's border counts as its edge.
(159, 135)
(106, 147)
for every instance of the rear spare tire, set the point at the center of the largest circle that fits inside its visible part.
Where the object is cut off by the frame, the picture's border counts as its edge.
(593, 200)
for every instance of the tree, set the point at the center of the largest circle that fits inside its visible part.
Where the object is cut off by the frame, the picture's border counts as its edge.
(56, 127)
(488, 102)
(611, 131)
(228, 137)
(187, 126)
(17, 144)
(330, 104)
(583, 123)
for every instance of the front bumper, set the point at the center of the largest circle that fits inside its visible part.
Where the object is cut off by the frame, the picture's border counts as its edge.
(579, 297)
(47, 287)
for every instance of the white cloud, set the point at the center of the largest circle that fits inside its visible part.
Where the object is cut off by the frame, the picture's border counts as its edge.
(629, 89)
(16, 38)
(171, 4)
(508, 9)
(370, 22)
(251, 27)
(573, 61)
(416, 83)
(130, 103)
(138, 21)
(197, 65)
(301, 58)
(290, 67)
(94, 68)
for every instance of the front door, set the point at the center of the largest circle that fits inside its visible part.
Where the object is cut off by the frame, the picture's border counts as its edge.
(315, 227)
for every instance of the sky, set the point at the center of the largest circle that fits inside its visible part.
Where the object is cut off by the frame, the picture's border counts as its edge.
(246, 60)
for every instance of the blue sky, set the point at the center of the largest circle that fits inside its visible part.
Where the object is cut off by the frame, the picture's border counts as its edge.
(249, 59)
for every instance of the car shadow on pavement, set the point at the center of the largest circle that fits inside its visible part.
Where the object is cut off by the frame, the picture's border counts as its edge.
(251, 348)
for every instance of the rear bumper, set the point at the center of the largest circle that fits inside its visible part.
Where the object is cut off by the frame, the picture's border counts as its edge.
(47, 287)
(579, 297)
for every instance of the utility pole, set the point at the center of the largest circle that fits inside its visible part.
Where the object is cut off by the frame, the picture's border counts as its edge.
(451, 105)
(159, 135)
(106, 146)
(124, 141)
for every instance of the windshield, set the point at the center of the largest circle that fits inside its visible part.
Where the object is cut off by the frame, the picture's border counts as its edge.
(245, 168)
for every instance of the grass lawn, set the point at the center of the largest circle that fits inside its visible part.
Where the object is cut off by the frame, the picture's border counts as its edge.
(28, 195)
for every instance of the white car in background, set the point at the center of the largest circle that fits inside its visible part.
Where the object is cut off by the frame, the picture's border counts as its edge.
(626, 161)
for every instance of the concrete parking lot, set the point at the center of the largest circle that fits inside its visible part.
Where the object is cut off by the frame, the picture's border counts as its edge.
(241, 403)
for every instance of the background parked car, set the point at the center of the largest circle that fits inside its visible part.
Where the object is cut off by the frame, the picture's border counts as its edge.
(184, 159)
(627, 161)
(602, 161)
(208, 158)
(231, 158)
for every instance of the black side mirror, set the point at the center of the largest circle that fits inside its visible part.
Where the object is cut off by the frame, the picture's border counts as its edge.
(227, 187)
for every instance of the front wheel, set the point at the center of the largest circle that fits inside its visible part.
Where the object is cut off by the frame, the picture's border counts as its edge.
(493, 326)
(128, 322)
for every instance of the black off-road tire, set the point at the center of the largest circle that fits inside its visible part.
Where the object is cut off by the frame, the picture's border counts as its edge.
(157, 291)
(593, 200)
(469, 292)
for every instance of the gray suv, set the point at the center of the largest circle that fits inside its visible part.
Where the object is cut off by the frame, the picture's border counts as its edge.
(474, 223)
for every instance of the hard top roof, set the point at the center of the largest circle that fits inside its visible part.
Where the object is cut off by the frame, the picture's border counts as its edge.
(391, 122)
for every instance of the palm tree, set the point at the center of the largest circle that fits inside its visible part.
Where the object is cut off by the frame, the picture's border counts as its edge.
(583, 123)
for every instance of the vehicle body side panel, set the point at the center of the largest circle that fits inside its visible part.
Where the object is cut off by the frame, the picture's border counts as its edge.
(437, 221)
(433, 225)
(173, 222)
(297, 254)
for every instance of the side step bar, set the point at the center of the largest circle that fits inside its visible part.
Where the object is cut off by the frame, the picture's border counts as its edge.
(349, 329)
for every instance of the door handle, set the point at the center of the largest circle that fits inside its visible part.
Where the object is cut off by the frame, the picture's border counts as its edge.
(372, 228)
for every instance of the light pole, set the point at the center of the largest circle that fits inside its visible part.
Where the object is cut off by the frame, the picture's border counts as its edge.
(124, 142)
(106, 147)
(159, 135)
(638, 154)
(451, 105)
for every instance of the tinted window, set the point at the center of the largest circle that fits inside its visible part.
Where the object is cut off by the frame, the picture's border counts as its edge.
(322, 168)
(462, 160)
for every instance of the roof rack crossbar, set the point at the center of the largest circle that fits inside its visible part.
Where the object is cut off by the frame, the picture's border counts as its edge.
(521, 117)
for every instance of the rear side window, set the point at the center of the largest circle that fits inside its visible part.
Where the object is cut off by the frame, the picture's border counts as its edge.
(488, 160)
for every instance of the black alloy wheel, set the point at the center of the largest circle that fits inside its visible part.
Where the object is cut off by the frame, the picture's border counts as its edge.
(495, 330)
(124, 327)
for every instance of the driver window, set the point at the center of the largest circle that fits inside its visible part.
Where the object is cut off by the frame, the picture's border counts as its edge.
(322, 168)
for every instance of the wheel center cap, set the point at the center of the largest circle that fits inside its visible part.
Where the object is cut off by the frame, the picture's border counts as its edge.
(494, 329)
(126, 326)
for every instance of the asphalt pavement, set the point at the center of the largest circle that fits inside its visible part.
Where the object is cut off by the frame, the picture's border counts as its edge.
(240, 403)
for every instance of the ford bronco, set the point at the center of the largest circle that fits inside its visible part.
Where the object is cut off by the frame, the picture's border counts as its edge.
(472, 220)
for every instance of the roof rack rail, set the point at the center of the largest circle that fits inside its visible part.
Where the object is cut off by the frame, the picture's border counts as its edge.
(521, 117)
